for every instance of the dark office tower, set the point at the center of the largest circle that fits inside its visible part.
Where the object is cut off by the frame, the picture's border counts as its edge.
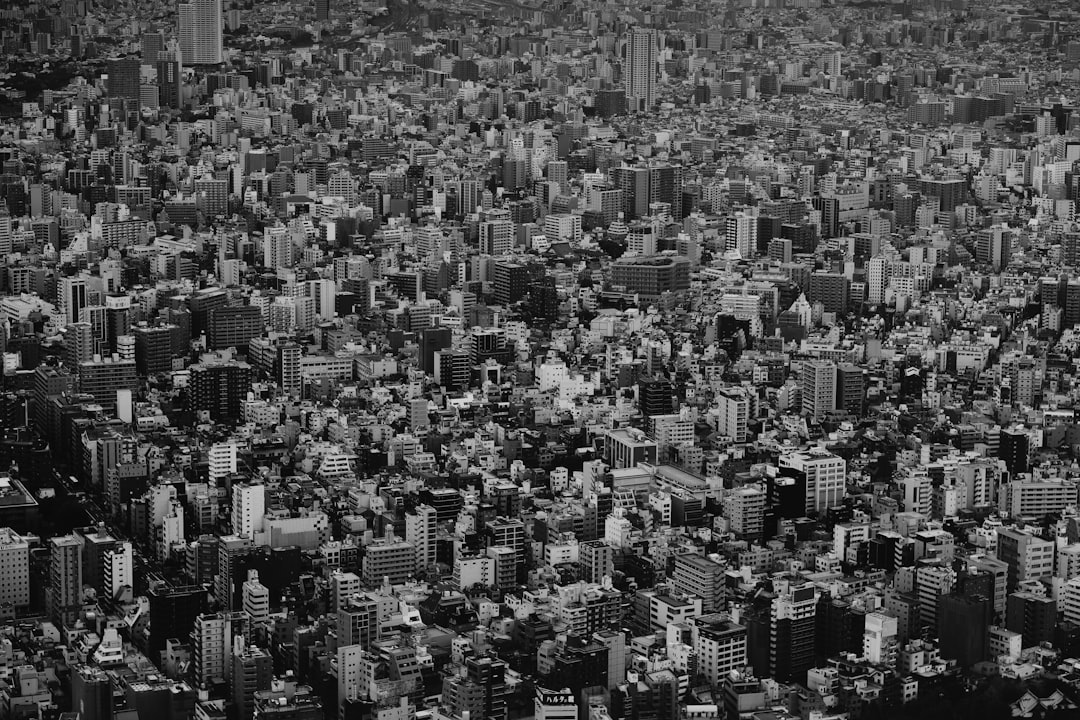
(235, 327)
(482, 691)
(656, 396)
(252, 672)
(610, 102)
(906, 206)
(950, 191)
(322, 10)
(830, 215)
(666, 186)
(172, 614)
(91, 693)
(202, 303)
(170, 82)
(1031, 615)
(850, 389)
(431, 340)
(634, 182)
(123, 79)
(1072, 304)
(511, 281)
(962, 624)
(544, 299)
(150, 44)
(581, 663)
(117, 319)
(64, 596)
(830, 289)
(1014, 448)
(514, 175)
(792, 631)
(103, 378)
(153, 349)
(220, 388)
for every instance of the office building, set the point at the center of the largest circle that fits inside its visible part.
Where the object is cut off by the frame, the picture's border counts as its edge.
(234, 327)
(1031, 615)
(1028, 556)
(697, 575)
(792, 630)
(173, 610)
(720, 646)
(14, 569)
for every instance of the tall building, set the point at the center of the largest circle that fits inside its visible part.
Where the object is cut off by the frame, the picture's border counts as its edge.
(850, 389)
(640, 69)
(252, 672)
(104, 377)
(1028, 556)
(1031, 615)
(740, 235)
(172, 614)
(256, 599)
(92, 693)
(656, 396)
(123, 81)
(818, 385)
(962, 625)
(215, 638)
(1015, 449)
(792, 630)
(234, 327)
(733, 413)
(220, 388)
(694, 574)
(825, 476)
(14, 569)
(720, 645)
(200, 31)
(597, 560)
(248, 510)
(65, 579)
(420, 530)
(322, 10)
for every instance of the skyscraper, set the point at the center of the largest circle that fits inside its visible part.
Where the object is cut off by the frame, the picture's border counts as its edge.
(123, 79)
(200, 26)
(640, 69)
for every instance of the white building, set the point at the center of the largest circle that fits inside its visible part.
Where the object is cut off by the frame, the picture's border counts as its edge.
(248, 510)
(256, 598)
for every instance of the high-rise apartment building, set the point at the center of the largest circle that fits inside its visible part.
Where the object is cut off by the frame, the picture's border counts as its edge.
(65, 578)
(818, 386)
(248, 510)
(200, 32)
(640, 69)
